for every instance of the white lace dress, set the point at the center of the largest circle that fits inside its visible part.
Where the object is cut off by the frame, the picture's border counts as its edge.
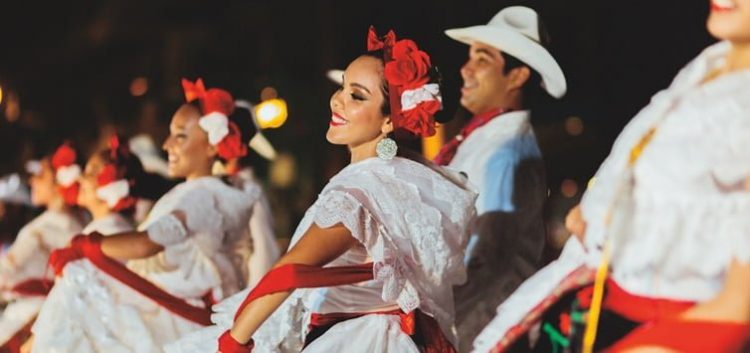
(682, 213)
(259, 237)
(89, 311)
(27, 260)
(411, 223)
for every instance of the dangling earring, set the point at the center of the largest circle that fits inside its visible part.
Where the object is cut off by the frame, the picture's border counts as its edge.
(386, 148)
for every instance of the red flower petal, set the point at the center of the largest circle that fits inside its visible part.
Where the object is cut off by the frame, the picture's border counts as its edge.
(70, 194)
(232, 145)
(107, 175)
(64, 156)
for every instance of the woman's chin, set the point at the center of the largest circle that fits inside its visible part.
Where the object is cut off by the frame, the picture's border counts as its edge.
(333, 138)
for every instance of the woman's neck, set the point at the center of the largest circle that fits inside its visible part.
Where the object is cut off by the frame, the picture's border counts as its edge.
(738, 57)
(99, 211)
(57, 204)
(203, 172)
(363, 151)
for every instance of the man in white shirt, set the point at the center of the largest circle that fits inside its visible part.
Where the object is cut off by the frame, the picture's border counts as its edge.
(507, 68)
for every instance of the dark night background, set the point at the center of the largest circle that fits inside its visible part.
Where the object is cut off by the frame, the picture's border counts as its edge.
(66, 69)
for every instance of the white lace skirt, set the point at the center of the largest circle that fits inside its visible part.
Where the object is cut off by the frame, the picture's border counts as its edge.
(88, 311)
(18, 314)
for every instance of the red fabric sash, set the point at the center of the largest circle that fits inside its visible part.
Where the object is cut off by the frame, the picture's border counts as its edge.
(37, 287)
(688, 337)
(446, 154)
(411, 324)
(13, 345)
(90, 248)
(642, 309)
(294, 276)
(408, 321)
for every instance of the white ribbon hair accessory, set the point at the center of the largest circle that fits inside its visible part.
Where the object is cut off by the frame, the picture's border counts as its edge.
(216, 125)
(113, 192)
(412, 97)
(68, 175)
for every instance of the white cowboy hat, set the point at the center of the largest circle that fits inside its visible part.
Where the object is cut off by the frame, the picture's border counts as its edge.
(514, 30)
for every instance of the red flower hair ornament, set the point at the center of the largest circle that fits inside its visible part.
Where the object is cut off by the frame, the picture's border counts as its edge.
(67, 173)
(216, 106)
(414, 100)
(113, 188)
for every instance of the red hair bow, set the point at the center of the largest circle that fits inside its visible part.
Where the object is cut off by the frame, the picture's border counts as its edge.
(215, 100)
(66, 173)
(211, 100)
(375, 43)
(64, 156)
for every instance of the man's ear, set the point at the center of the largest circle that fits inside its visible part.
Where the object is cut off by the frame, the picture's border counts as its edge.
(518, 77)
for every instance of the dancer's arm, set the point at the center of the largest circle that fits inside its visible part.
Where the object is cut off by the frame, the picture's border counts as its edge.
(575, 224)
(732, 304)
(317, 247)
(128, 246)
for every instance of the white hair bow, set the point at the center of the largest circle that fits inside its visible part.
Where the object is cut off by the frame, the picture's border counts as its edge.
(411, 98)
(216, 125)
(113, 192)
(68, 175)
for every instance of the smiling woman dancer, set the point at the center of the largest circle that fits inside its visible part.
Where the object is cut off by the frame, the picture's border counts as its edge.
(178, 263)
(24, 278)
(372, 264)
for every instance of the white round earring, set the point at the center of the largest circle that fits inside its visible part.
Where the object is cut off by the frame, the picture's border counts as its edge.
(386, 148)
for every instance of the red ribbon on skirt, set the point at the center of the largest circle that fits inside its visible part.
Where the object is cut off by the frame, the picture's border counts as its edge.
(36, 287)
(293, 276)
(89, 247)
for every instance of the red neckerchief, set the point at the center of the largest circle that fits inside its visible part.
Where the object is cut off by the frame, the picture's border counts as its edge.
(446, 154)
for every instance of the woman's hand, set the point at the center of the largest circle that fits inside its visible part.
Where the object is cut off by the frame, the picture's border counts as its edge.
(575, 224)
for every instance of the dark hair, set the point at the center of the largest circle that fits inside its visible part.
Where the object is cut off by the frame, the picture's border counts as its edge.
(142, 184)
(532, 91)
(385, 108)
(402, 138)
(244, 120)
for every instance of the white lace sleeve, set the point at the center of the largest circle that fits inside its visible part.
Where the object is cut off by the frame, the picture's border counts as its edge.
(338, 206)
(167, 230)
(265, 249)
(24, 247)
(200, 212)
(341, 207)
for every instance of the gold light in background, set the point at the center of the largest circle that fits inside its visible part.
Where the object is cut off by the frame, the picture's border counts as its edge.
(1, 95)
(432, 145)
(271, 113)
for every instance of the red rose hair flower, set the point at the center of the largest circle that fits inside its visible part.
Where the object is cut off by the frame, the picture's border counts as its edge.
(413, 99)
